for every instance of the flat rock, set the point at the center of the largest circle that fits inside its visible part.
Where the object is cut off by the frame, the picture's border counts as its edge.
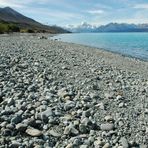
(108, 118)
(68, 105)
(62, 93)
(54, 133)
(107, 127)
(21, 127)
(124, 142)
(109, 95)
(45, 114)
(83, 146)
(107, 145)
(33, 132)
(70, 130)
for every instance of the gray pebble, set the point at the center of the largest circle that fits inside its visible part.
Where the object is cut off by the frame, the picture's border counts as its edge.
(124, 142)
(10, 102)
(16, 119)
(54, 133)
(21, 127)
(107, 126)
(69, 105)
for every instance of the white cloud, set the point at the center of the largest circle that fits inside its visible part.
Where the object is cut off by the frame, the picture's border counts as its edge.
(54, 14)
(96, 11)
(4, 3)
(21, 3)
(141, 6)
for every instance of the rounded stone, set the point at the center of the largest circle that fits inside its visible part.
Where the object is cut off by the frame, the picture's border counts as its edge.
(21, 127)
(107, 127)
(108, 118)
(33, 132)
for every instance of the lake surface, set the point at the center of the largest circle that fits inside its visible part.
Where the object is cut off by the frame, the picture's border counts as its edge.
(129, 44)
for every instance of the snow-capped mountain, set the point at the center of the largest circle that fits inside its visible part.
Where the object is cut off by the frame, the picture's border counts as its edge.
(111, 27)
(83, 27)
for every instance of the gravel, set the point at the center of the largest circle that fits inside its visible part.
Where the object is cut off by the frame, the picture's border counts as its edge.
(55, 94)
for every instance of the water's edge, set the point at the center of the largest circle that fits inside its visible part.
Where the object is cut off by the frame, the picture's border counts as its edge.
(58, 38)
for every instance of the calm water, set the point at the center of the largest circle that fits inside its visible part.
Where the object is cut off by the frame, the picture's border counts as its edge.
(130, 44)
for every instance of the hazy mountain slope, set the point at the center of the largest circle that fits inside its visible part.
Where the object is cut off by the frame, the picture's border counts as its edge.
(115, 27)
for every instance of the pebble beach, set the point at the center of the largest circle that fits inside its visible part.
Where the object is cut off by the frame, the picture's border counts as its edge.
(63, 95)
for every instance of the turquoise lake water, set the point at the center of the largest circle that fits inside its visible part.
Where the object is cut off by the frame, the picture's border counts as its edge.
(129, 44)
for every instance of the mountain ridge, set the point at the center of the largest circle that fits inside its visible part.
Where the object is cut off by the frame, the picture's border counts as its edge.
(9, 15)
(111, 27)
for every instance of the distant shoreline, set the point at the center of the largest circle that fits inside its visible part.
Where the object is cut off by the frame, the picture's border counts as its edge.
(103, 49)
(93, 45)
(115, 59)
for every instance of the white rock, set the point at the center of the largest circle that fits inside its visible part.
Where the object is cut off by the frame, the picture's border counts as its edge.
(33, 132)
(62, 93)
(107, 126)
(119, 97)
(53, 133)
(109, 95)
(83, 146)
(121, 104)
(10, 101)
(124, 142)
(107, 145)
(108, 118)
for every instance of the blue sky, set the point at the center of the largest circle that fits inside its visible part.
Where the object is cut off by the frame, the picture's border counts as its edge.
(73, 12)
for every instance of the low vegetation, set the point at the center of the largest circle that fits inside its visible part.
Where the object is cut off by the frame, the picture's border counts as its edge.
(6, 28)
(27, 31)
(10, 27)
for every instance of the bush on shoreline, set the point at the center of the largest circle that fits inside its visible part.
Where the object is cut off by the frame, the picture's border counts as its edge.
(6, 28)
(27, 31)
(9, 28)
(3, 28)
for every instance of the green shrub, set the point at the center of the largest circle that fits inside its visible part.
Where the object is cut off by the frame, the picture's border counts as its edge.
(13, 28)
(5, 27)
(10, 27)
(27, 31)
(30, 31)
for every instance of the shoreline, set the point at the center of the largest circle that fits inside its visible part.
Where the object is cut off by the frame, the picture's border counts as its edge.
(120, 57)
(99, 48)
(65, 95)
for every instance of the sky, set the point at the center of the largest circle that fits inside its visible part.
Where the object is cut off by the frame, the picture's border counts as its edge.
(74, 12)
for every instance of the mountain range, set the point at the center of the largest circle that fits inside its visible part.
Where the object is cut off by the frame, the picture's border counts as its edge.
(10, 16)
(111, 27)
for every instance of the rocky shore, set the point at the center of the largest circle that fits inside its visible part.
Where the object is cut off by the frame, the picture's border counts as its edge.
(62, 95)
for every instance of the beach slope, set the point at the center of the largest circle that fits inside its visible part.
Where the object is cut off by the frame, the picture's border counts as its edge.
(55, 94)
